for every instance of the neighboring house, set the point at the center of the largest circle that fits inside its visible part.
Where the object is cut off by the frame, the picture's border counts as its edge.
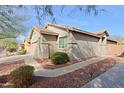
(77, 43)
(27, 44)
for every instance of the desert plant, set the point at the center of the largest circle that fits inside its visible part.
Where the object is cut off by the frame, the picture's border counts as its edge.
(11, 49)
(22, 76)
(59, 58)
(21, 52)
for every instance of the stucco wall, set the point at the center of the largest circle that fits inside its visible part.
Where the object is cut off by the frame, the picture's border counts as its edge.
(35, 36)
(42, 45)
(36, 48)
(79, 45)
(61, 32)
(83, 46)
(115, 50)
(52, 42)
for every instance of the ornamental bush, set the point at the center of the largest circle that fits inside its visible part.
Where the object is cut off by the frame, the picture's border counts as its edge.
(22, 76)
(21, 52)
(9, 49)
(59, 58)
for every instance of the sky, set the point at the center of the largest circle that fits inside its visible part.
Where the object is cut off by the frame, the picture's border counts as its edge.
(112, 19)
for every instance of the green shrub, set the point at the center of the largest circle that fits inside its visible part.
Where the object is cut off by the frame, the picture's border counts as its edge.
(59, 58)
(9, 49)
(21, 52)
(22, 76)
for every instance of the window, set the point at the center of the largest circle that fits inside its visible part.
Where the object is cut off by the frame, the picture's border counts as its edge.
(63, 42)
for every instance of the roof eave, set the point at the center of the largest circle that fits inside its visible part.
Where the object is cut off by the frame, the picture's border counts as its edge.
(50, 34)
(71, 29)
(85, 33)
(112, 40)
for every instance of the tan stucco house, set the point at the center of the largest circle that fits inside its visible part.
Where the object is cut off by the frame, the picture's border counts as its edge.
(77, 43)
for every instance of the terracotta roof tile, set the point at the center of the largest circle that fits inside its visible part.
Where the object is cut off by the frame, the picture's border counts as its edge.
(69, 28)
(73, 29)
(45, 31)
(101, 32)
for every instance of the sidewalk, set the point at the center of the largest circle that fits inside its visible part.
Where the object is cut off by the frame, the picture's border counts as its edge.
(15, 58)
(113, 78)
(67, 69)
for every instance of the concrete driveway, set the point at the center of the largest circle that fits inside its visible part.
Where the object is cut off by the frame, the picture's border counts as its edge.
(113, 78)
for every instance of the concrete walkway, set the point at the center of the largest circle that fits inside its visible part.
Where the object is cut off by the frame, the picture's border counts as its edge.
(15, 58)
(67, 69)
(113, 78)
(28, 59)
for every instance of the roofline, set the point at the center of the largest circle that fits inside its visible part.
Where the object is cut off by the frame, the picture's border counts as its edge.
(71, 29)
(56, 25)
(31, 33)
(86, 33)
(112, 40)
(54, 34)
(67, 28)
(106, 32)
(36, 29)
(103, 31)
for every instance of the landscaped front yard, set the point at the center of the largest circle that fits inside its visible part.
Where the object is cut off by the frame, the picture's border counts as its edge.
(77, 78)
(73, 79)
(6, 68)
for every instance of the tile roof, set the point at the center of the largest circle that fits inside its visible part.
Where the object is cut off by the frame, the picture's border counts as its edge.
(94, 34)
(101, 32)
(43, 30)
(73, 29)
(112, 40)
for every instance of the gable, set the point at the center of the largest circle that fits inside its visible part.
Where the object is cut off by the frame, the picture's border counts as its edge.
(34, 36)
(61, 32)
(102, 32)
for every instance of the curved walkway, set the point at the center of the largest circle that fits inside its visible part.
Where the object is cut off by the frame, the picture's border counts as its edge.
(67, 69)
(113, 78)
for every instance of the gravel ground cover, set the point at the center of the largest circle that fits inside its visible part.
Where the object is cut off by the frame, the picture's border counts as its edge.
(74, 79)
(77, 78)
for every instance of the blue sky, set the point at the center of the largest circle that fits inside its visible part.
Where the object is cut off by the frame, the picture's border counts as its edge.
(112, 20)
